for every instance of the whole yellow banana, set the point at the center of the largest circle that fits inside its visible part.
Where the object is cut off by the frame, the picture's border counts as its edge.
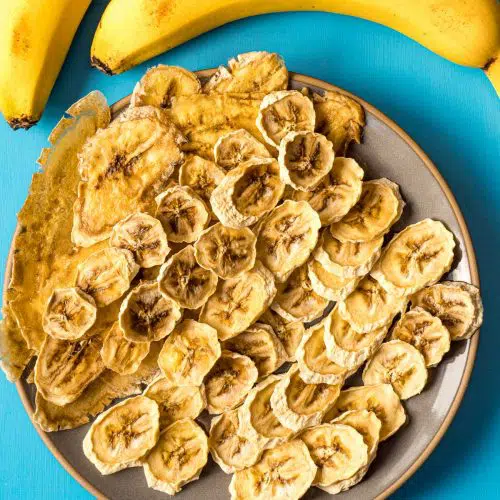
(35, 36)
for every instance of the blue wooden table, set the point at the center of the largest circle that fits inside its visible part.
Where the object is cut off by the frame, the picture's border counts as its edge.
(452, 112)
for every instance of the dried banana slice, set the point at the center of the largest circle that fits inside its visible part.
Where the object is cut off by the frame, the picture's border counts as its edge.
(183, 214)
(189, 353)
(238, 302)
(287, 236)
(284, 111)
(304, 158)
(247, 192)
(378, 208)
(237, 147)
(177, 458)
(229, 381)
(182, 279)
(226, 251)
(399, 364)
(160, 83)
(147, 315)
(416, 257)
(458, 305)
(425, 332)
(285, 472)
(69, 314)
(121, 436)
(106, 274)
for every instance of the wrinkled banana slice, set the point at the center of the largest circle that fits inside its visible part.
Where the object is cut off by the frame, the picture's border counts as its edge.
(178, 457)
(304, 158)
(236, 147)
(230, 450)
(286, 237)
(106, 274)
(416, 257)
(425, 332)
(336, 193)
(183, 280)
(229, 381)
(285, 472)
(160, 83)
(284, 111)
(226, 251)
(458, 305)
(176, 402)
(121, 436)
(370, 307)
(399, 364)
(247, 192)
(69, 314)
(238, 302)
(378, 208)
(189, 353)
(183, 214)
(147, 315)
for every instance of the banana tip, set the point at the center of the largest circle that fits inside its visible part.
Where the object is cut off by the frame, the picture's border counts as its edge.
(25, 122)
(101, 66)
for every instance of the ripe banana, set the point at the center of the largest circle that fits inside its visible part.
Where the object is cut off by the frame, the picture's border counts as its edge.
(34, 39)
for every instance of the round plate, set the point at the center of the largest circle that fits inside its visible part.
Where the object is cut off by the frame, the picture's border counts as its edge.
(386, 151)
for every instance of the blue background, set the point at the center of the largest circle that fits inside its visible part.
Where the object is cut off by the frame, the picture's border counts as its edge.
(451, 111)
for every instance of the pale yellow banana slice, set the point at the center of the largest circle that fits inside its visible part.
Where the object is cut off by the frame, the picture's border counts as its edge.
(399, 364)
(121, 436)
(177, 458)
(69, 314)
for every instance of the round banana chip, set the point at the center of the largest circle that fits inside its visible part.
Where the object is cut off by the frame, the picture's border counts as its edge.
(147, 315)
(230, 450)
(286, 237)
(226, 251)
(458, 305)
(144, 236)
(189, 353)
(305, 158)
(416, 257)
(106, 274)
(285, 472)
(247, 192)
(378, 208)
(399, 364)
(183, 214)
(238, 302)
(121, 436)
(69, 314)
(425, 332)
(176, 402)
(183, 280)
(178, 457)
(284, 111)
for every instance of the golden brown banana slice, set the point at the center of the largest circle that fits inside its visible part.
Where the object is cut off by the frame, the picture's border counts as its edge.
(285, 472)
(106, 274)
(378, 208)
(121, 436)
(416, 257)
(305, 157)
(226, 251)
(160, 83)
(247, 192)
(183, 280)
(238, 302)
(69, 314)
(425, 332)
(177, 458)
(189, 353)
(458, 305)
(147, 315)
(399, 364)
